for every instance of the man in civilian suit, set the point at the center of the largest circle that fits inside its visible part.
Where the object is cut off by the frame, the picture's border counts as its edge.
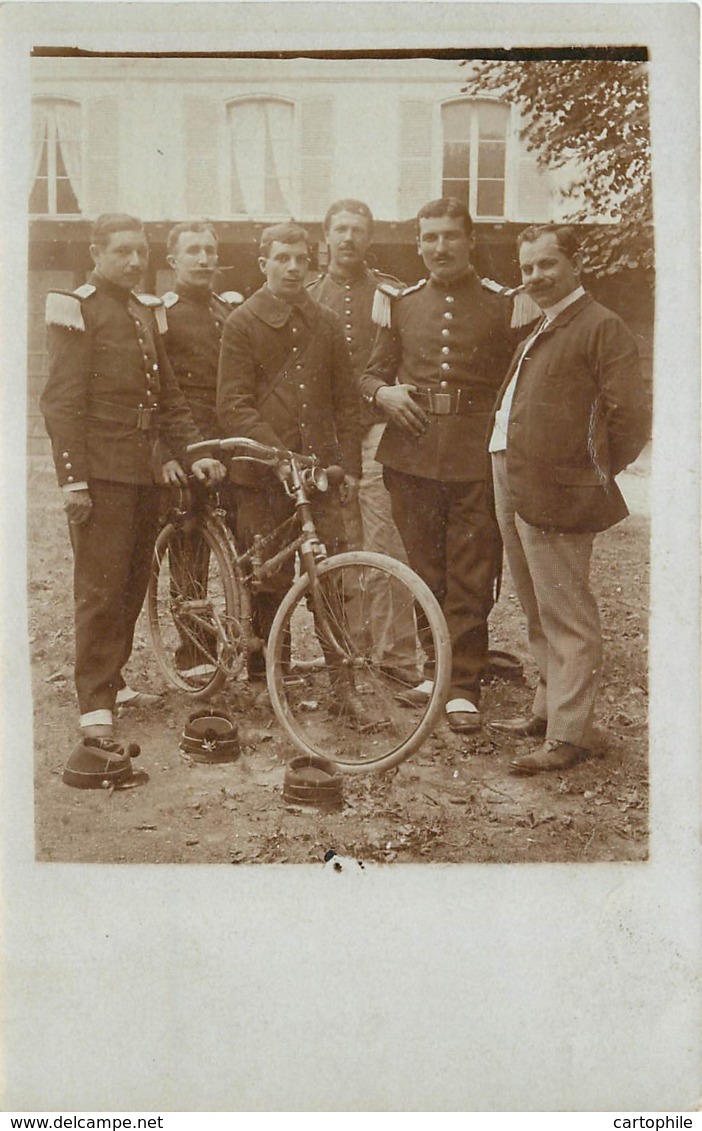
(572, 413)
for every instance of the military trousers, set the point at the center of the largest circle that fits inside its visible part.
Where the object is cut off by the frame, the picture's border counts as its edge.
(112, 555)
(551, 575)
(369, 526)
(453, 543)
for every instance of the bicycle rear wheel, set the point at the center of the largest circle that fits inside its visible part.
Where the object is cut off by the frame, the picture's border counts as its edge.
(193, 608)
(329, 687)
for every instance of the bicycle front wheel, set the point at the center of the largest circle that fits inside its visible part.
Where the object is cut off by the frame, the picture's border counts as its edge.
(332, 689)
(193, 608)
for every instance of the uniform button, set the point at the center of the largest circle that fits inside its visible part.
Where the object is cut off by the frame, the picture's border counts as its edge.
(295, 330)
(65, 455)
(155, 368)
(69, 466)
(444, 384)
(302, 386)
(445, 332)
(445, 365)
(349, 326)
(446, 349)
(347, 286)
(449, 298)
(70, 478)
(448, 315)
(304, 404)
(348, 338)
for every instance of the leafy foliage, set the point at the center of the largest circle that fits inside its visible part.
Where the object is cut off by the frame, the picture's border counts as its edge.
(596, 112)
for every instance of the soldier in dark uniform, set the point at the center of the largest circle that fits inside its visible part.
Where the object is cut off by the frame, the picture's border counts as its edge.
(196, 317)
(109, 400)
(350, 289)
(285, 379)
(433, 376)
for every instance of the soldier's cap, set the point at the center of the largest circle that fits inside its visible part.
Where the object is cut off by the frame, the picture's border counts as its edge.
(210, 735)
(97, 763)
(311, 779)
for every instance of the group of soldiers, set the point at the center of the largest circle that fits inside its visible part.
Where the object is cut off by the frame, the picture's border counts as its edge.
(455, 437)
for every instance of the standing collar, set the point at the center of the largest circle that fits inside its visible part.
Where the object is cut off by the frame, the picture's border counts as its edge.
(194, 294)
(360, 276)
(121, 294)
(465, 282)
(275, 312)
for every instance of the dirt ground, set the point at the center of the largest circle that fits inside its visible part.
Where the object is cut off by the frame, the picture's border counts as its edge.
(454, 800)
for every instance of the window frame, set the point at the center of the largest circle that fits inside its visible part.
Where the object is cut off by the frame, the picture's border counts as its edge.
(262, 216)
(52, 164)
(510, 180)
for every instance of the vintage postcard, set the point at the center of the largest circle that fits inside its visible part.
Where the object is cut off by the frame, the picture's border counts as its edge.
(451, 809)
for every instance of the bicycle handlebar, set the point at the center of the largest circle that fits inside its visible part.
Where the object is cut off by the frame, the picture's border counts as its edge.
(250, 449)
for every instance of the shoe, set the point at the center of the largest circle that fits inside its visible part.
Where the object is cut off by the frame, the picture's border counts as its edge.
(463, 717)
(524, 726)
(550, 756)
(350, 711)
(417, 696)
(137, 699)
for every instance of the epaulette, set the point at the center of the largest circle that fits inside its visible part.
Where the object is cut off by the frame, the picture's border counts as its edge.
(156, 305)
(169, 299)
(232, 298)
(63, 308)
(524, 309)
(385, 295)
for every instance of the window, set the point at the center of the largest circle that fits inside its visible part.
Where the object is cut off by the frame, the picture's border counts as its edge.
(56, 158)
(261, 141)
(474, 155)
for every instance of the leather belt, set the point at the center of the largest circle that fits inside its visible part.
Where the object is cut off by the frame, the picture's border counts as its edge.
(453, 402)
(141, 417)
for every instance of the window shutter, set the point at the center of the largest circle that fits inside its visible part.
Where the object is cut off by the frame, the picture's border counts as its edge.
(533, 195)
(202, 119)
(415, 184)
(317, 157)
(102, 161)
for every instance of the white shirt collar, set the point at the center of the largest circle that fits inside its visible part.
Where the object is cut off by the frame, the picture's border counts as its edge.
(552, 312)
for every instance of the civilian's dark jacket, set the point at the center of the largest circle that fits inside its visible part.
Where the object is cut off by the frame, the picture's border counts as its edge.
(314, 408)
(444, 338)
(580, 414)
(108, 368)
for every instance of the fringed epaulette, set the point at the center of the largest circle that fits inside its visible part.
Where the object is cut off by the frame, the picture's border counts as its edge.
(385, 295)
(232, 298)
(383, 277)
(156, 306)
(524, 309)
(64, 308)
(169, 299)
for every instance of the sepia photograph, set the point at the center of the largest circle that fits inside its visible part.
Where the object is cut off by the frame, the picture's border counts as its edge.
(479, 694)
(351, 523)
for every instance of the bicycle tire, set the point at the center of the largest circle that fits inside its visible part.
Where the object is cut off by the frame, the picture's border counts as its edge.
(192, 588)
(304, 677)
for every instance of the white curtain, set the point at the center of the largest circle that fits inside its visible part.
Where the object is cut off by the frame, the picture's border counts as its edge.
(261, 146)
(40, 112)
(67, 116)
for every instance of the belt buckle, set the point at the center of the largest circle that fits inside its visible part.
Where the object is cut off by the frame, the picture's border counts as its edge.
(441, 403)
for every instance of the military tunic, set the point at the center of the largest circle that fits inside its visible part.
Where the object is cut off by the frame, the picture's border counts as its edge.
(453, 342)
(110, 398)
(196, 318)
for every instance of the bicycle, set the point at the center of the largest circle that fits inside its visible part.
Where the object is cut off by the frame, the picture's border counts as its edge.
(320, 649)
